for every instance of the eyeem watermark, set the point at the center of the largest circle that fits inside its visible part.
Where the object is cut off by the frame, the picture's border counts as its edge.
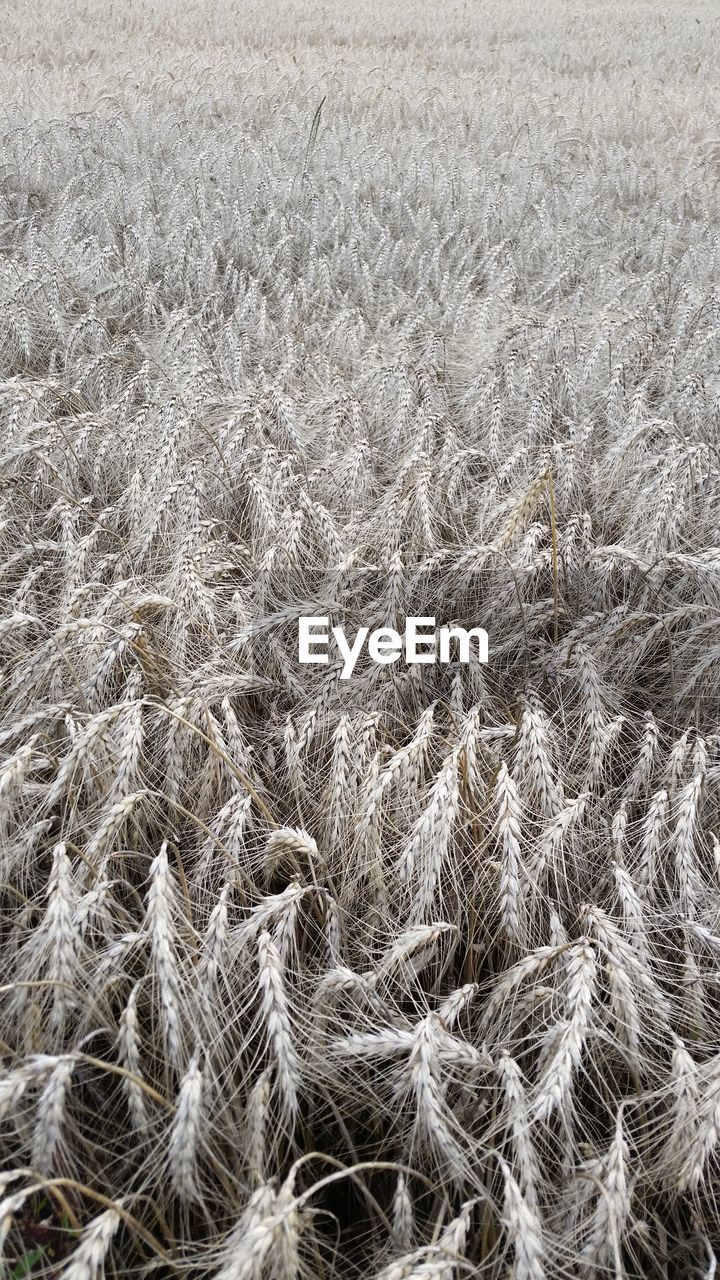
(423, 642)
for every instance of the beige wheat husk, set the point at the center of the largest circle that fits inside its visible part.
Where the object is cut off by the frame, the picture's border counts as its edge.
(365, 311)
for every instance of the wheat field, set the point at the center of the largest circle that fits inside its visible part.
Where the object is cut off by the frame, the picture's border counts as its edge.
(370, 311)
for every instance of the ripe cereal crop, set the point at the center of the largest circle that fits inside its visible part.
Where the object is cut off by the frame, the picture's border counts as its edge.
(371, 313)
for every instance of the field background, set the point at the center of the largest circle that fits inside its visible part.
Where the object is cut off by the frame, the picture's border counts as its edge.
(374, 310)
